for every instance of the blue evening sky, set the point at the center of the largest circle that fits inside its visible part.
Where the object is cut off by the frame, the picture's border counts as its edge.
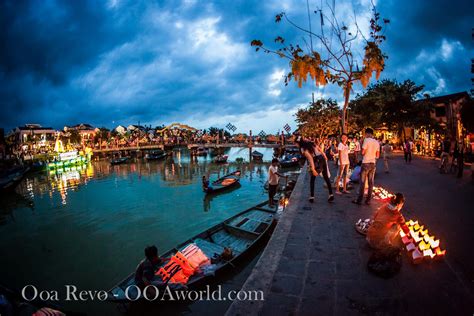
(157, 62)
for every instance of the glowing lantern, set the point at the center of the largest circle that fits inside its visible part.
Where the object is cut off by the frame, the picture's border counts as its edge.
(411, 246)
(417, 256)
(421, 244)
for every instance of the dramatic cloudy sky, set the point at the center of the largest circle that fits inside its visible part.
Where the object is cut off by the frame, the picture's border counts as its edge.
(157, 62)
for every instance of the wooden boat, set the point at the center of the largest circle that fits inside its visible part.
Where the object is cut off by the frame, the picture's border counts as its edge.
(67, 159)
(200, 151)
(220, 159)
(155, 155)
(289, 161)
(10, 179)
(20, 306)
(240, 233)
(256, 155)
(292, 150)
(227, 181)
(118, 161)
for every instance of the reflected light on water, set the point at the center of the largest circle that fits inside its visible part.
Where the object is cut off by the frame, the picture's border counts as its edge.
(107, 214)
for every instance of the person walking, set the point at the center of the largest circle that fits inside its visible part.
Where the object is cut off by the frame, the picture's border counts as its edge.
(343, 157)
(370, 153)
(460, 159)
(387, 152)
(407, 149)
(317, 164)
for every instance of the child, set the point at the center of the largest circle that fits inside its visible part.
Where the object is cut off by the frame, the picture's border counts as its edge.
(273, 179)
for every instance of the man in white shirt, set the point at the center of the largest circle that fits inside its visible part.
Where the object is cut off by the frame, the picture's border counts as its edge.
(343, 154)
(370, 153)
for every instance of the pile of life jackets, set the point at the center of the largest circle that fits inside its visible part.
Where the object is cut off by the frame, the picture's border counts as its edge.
(183, 265)
(226, 182)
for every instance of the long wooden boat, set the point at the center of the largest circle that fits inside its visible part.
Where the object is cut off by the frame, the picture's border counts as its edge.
(10, 179)
(225, 182)
(67, 159)
(289, 161)
(240, 233)
(220, 159)
(118, 161)
(20, 306)
(200, 151)
(156, 155)
(256, 155)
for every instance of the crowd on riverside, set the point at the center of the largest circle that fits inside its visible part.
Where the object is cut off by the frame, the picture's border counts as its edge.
(356, 160)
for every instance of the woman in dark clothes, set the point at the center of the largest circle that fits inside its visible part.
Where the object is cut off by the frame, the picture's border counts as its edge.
(317, 164)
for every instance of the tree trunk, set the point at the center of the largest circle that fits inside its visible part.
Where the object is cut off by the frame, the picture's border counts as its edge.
(347, 92)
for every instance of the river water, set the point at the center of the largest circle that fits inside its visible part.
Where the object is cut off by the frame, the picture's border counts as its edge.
(88, 227)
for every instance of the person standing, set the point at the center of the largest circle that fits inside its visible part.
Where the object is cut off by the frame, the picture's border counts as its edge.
(460, 159)
(317, 164)
(273, 180)
(356, 149)
(352, 159)
(387, 152)
(343, 157)
(407, 148)
(370, 153)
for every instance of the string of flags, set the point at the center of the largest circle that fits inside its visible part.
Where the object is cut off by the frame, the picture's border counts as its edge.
(231, 127)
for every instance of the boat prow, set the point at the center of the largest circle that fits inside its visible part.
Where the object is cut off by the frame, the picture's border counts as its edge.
(239, 234)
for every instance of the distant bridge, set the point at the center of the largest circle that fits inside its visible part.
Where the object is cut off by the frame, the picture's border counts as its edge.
(189, 146)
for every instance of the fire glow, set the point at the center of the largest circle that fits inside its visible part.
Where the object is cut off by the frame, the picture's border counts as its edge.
(380, 193)
(419, 244)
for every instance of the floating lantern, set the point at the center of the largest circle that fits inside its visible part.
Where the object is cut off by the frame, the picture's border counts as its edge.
(428, 253)
(406, 240)
(415, 236)
(420, 243)
(411, 246)
(381, 194)
(417, 256)
(434, 244)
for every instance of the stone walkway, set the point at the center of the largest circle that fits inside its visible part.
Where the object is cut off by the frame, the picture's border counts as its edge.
(315, 262)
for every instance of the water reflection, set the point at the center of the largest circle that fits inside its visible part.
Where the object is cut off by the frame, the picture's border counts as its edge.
(101, 216)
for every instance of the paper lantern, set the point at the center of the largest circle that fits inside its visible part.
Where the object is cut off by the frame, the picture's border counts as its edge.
(416, 256)
(411, 246)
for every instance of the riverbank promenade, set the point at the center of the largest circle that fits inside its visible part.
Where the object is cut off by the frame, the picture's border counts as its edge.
(316, 263)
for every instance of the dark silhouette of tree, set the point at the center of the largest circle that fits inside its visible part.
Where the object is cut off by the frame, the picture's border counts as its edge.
(74, 137)
(213, 131)
(102, 134)
(394, 105)
(467, 115)
(341, 66)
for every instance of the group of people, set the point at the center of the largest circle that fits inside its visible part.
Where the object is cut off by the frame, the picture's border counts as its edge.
(388, 219)
(317, 159)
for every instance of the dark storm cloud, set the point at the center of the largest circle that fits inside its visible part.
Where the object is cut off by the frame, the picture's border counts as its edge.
(120, 62)
(420, 35)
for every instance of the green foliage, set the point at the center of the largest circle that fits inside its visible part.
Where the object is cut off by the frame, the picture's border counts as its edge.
(394, 105)
(319, 119)
(74, 137)
(102, 134)
(341, 66)
(213, 131)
